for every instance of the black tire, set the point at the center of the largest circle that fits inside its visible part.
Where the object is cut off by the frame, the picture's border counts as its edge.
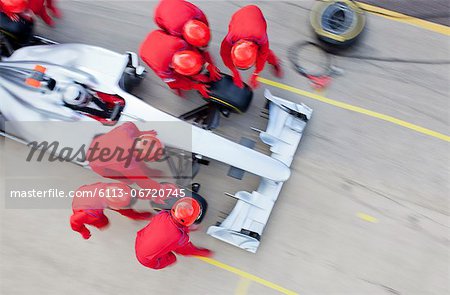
(2, 123)
(337, 23)
(166, 206)
(227, 95)
(18, 33)
(130, 80)
(203, 206)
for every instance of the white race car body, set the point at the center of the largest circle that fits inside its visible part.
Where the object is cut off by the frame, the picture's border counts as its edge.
(102, 70)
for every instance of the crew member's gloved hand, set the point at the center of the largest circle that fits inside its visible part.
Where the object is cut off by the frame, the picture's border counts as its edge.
(203, 89)
(253, 82)
(53, 9)
(86, 235)
(277, 71)
(143, 216)
(135, 215)
(238, 81)
(41, 8)
(179, 93)
(202, 78)
(214, 72)
(14, 17)
(202, 252)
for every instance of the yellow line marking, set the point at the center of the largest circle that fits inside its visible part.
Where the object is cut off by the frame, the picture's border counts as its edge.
(403, 18)
(242, 287)
(247, 275)
(356, 109)
(367, 217)
(226, 103)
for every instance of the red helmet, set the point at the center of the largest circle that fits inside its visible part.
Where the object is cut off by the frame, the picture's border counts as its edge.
(14, 6)
(117, 195)
(186, 211)
(151, 147)
(196, 33)
(244, 54)
(187, 62)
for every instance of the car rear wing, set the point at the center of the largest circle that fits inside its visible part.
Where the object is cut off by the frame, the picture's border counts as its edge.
(244, 226)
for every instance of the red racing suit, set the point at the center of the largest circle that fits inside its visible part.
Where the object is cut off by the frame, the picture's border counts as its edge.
(248, 23)
(39, 7)
(171, 15)
(157, 52)
(88, 209)
(156, 243)
(124, 166)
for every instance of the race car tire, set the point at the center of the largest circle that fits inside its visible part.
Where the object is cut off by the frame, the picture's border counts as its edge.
(230, 97)
(130, 79)
(2, 123)
(203, 206)
(19, 33)
(337, 23)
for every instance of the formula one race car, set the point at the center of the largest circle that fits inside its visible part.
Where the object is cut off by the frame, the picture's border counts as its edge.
(43, 83)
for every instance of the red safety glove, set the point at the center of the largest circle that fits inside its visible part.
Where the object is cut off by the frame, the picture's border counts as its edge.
(203, 89)
(14, 17)
(214, 72)
(53, 9)
(86, 235)
(179, 92)
(190, 250)
(238, 80)
(253, 82)
(143, 216)
(202, 252)
(202, 78)
(277, 71)
(135, 215)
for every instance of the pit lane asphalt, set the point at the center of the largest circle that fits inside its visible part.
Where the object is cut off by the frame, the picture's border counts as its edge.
(365, 211)
(437, 11)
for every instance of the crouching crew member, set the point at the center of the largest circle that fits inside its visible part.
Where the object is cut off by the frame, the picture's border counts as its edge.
(89, 202)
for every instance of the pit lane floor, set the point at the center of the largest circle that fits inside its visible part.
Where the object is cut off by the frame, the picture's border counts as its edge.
(364, 212)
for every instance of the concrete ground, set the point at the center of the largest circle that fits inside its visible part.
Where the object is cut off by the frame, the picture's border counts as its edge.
(437, 11)
(366, 208)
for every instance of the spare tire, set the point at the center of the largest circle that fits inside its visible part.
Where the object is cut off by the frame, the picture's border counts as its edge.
(337, 22)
